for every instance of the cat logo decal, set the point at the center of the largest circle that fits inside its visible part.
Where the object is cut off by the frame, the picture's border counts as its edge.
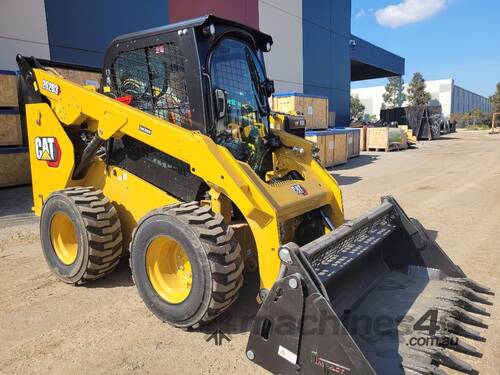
(47, 149)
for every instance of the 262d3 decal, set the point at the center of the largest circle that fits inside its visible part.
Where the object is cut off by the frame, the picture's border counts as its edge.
(47, 149)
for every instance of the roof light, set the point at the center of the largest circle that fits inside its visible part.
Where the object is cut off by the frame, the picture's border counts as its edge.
(209, 30)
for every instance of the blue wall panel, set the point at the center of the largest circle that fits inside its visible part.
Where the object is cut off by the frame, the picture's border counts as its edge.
(317, 55)
(340, 17)
(341, 62)
(317, 12)
(327, 65)
(80, 31)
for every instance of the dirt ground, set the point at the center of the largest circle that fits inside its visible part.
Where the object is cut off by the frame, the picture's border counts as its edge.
(452, 185)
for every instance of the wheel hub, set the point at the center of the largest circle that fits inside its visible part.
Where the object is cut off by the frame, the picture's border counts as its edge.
(63, 238)
(168, 269)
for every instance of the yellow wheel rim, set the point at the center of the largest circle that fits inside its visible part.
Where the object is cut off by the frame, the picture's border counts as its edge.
(169, 269)
(63, 238)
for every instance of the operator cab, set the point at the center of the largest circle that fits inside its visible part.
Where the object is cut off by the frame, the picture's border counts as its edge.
(205, 74)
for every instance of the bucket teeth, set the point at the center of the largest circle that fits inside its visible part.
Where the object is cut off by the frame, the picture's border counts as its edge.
(454, 343)
(448, 340)
(418, 362)
(468, 293)
(442, 357)
(478, 288)
(466, 304)
(458, 328)
(465, 317)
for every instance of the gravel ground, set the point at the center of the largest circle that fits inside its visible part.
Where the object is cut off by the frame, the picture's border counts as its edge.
(451, 185)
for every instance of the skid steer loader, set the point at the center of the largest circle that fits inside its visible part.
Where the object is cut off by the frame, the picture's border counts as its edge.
(178, 160)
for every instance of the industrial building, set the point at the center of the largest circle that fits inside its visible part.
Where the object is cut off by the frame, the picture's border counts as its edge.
(314, 51)
(444, 92)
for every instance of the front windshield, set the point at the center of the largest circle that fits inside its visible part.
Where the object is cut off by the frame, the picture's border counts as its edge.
(236, 70)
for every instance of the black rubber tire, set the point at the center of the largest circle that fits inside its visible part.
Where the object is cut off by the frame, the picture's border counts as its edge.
(214, 254)
(98, 232)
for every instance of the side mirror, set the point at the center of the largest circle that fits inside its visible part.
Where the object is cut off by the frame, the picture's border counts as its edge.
(268, 86)
(220, 103)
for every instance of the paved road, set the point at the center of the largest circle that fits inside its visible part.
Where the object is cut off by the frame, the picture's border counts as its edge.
(451, 185)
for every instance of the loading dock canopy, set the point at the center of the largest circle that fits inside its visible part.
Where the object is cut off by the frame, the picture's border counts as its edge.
(369, 61)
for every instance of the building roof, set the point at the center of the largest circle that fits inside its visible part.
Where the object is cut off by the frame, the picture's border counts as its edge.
(369, 61)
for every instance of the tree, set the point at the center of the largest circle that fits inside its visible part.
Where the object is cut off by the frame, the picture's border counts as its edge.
(416, 91)
(476, 115)
(357, 108)
(394, 95)
(495, 99)
(466, 117)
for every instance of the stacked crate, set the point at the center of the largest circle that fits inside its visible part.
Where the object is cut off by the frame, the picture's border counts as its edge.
(313, 107)
(320, 123)
(353, 142)
(14, 156)
(332, 145)
(386, 139)
(340, 146)
(321, 139)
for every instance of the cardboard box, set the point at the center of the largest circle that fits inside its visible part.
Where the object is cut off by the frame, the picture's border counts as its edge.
(8, 89)
(314, 108)
(10, 128)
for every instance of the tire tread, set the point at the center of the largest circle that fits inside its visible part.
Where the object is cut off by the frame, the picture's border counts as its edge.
(222, 250)
(103, 230)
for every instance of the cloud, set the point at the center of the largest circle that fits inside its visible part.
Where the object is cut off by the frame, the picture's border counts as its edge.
(360, 14)
(408, 11)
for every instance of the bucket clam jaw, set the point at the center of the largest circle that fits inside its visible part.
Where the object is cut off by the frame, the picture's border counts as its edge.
(375, 296)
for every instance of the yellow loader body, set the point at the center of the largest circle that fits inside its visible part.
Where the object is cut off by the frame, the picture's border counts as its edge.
(264, 206)
(180, 160)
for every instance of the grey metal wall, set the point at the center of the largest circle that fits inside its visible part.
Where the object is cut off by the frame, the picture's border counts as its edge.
(23, 29)
(465, 101)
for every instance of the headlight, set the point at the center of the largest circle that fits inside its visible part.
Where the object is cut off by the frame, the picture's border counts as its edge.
(298, 150)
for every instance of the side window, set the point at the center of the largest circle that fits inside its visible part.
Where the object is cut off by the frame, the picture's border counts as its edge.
(155, 78)
(132, 78)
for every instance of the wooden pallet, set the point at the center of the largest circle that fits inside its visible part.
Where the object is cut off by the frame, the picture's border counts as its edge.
(392, 147)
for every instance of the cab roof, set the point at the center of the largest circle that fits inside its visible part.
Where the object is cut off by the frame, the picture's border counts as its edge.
(203, 21)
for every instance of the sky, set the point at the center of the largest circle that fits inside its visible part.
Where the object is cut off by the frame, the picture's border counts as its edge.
(457, 39)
